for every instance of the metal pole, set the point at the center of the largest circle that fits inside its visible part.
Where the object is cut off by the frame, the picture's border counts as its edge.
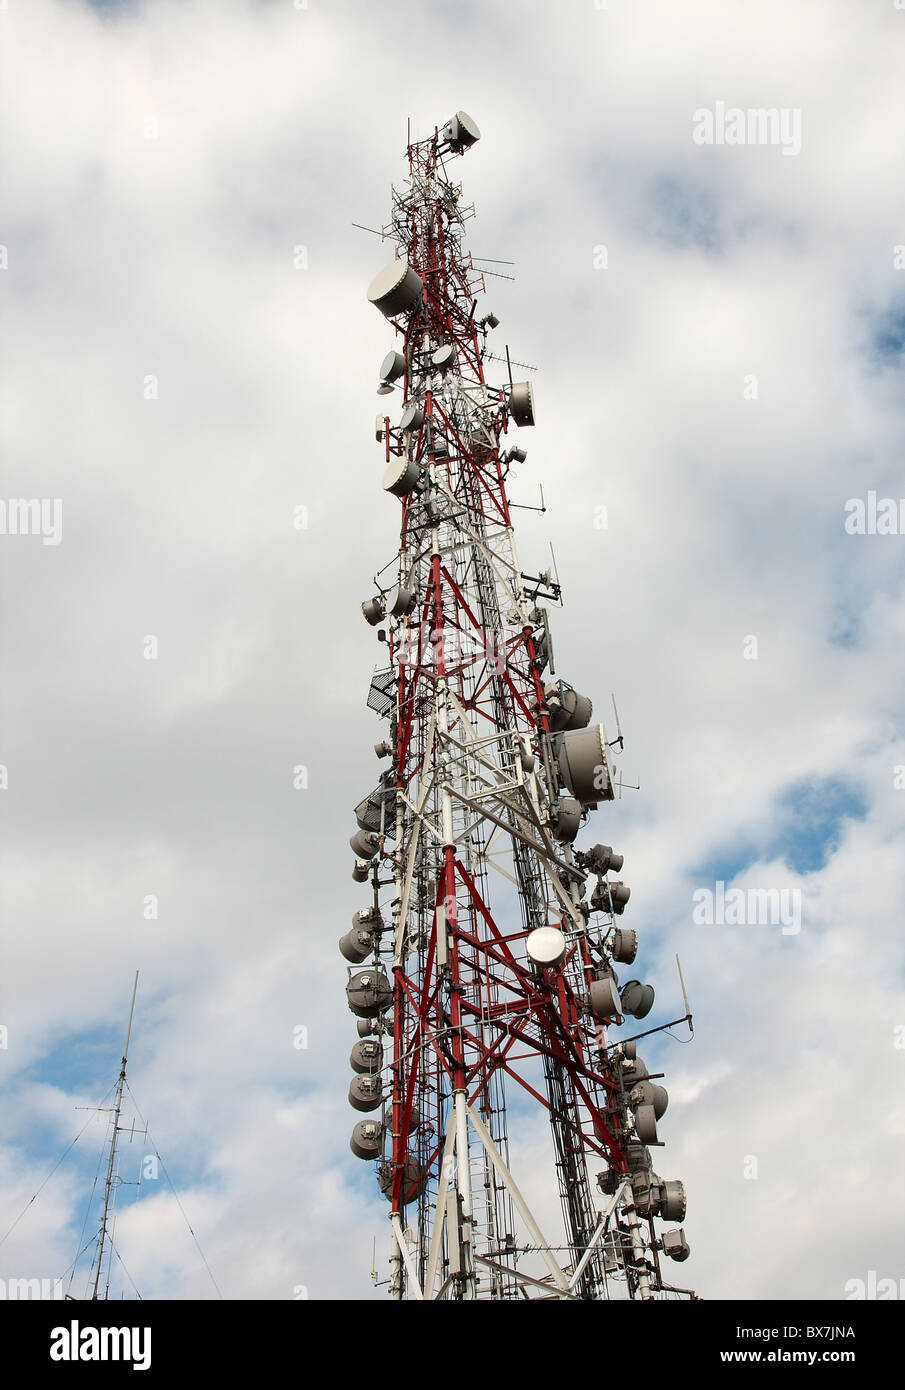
(108, 1185)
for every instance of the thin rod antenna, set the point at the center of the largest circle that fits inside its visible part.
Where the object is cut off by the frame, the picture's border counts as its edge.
(684, 995)
(619, 739)
(553, 558)
(129, 1029)
(108, 1184)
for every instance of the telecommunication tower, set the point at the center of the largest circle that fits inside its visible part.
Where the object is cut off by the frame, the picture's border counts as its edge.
(483, 969)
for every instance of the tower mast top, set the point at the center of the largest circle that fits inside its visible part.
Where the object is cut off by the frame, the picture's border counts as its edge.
(103, 1234)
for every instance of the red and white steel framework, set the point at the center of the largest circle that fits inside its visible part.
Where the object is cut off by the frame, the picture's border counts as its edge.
(483, 967)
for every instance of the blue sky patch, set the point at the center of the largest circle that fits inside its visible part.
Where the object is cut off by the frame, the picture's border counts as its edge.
(808, 819)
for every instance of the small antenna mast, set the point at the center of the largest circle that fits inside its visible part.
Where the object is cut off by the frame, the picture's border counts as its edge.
(108, 1185)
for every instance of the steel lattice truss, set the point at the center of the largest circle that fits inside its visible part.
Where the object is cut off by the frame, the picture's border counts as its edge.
(480, 967)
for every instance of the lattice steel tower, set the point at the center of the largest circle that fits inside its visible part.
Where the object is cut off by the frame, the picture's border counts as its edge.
(484, 961)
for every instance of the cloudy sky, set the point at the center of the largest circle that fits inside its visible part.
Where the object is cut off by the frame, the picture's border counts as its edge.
(719, 333)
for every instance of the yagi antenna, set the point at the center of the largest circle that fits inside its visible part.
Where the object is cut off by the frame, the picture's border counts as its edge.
(494, 357)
